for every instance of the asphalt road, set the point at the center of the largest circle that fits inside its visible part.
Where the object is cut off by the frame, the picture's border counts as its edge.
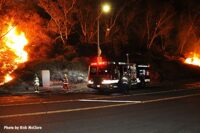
(152, 110)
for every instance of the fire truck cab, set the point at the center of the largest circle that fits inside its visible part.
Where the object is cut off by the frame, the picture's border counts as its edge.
(117, 75)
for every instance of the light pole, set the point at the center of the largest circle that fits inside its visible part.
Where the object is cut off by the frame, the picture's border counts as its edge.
(127, 58)
(105, 8)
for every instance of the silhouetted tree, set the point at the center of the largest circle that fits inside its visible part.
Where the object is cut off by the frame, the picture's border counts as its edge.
(188, 31)
(61, 13)
(158, 23)
(87, 16)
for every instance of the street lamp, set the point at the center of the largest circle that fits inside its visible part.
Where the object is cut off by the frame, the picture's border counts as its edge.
(105, 8)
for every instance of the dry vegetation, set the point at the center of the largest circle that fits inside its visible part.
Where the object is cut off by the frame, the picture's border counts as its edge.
(62, 34)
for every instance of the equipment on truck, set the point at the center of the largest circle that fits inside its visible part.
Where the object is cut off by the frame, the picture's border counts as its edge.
(117, 75)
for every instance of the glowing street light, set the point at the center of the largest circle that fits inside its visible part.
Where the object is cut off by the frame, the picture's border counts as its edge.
(105, 8)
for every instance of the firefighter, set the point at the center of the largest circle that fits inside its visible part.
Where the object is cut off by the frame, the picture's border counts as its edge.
(124, 83)
(65, 83)
(142, 80)
(36, 83)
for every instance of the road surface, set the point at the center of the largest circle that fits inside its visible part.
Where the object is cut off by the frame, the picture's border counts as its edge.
(152, 110)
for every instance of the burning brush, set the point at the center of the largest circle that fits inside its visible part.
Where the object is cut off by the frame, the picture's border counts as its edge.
(12, 52)
(193, 59)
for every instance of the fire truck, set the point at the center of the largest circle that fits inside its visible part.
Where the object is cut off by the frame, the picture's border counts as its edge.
(117, 75)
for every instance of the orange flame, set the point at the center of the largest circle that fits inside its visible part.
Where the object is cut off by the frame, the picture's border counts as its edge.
(193, 59)
(8, 78)
(15, 42)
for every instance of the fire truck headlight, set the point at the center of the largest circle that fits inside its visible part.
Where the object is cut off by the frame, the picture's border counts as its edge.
(90, 82)
(109, 81)
(138, 80)
(147, 80)
(124, 78)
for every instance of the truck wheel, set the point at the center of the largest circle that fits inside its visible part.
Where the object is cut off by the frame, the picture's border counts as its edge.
(99, 92)
(141, 85)
(102, 92)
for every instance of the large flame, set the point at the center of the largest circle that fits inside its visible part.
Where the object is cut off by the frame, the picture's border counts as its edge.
(13, 51)
(193, 59)
(16, 41)
(8, 78)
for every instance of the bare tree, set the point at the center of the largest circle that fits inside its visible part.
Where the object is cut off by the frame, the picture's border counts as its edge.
(87, 15)
(188, 32)
(61, 15)
(119, 25)
(110, 26)
(158, 25)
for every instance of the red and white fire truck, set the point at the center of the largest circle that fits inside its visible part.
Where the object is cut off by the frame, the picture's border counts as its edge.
(117, 75)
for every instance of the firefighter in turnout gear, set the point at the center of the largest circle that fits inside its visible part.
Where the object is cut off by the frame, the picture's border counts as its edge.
(36, 83)
(124, 83)
(65, 83)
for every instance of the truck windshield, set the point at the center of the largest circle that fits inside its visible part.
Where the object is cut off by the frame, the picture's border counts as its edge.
(94, 70)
